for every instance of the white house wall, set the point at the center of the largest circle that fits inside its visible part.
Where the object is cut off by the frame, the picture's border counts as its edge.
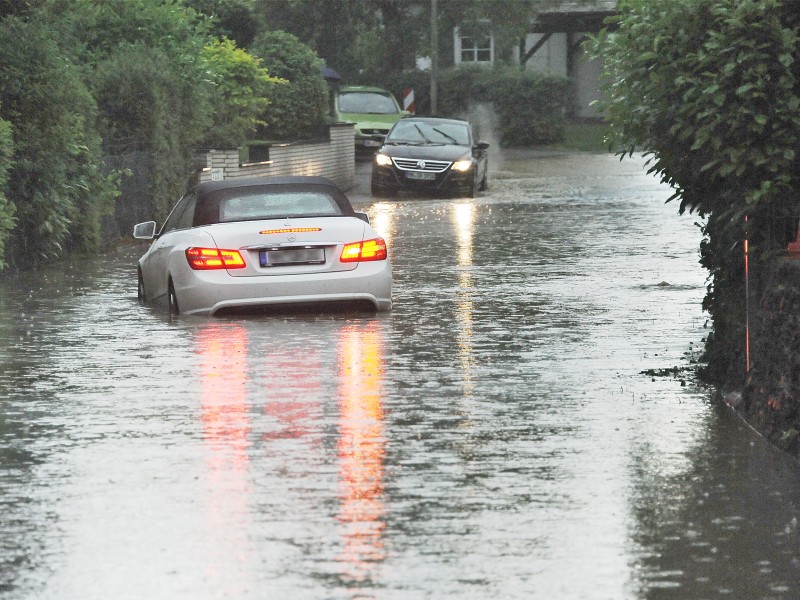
(587, 84)
(551, 57)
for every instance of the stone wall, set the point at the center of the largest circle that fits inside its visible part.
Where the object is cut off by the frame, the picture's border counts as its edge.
(333, 158)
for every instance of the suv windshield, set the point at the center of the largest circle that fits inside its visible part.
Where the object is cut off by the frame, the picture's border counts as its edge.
(367, 103)
(430, 133)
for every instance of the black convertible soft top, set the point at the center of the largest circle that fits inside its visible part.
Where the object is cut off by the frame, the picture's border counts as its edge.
(211, 192)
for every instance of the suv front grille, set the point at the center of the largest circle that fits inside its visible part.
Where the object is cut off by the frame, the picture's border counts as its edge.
(419, 164)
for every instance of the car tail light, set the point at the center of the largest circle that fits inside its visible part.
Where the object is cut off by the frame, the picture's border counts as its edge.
(367, 250)
(204, 259)
(290, 230)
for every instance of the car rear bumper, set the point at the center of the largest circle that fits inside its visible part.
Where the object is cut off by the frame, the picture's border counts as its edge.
(368, 144)
(209, 292)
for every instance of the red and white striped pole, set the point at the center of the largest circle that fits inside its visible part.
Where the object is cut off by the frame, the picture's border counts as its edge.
(408, 100)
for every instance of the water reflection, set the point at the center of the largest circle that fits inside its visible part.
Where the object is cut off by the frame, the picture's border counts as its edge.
(463, 219)
(225, 416)
(361, 451)
(383, 220)
(330, 456)
(223, 379)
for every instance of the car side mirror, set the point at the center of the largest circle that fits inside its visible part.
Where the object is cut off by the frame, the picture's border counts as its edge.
(482, 146)
(363, 216)
(145, 231)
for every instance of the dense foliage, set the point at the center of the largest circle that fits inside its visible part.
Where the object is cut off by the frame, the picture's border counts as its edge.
(6, 207)
(238, 98)
(709, 89)
(531, 107)
(84, 84)
(297, 107)
(55, 181)
(152, 87)
(236, 20)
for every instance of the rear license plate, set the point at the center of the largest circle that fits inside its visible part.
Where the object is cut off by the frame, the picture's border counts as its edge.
(421, 176)
(292, 256)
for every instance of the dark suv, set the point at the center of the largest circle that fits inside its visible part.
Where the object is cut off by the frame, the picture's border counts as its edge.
(427, 154)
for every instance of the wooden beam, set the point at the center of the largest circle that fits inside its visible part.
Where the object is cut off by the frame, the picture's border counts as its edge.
(535, 48)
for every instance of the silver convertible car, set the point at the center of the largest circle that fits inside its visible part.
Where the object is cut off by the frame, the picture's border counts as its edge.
(259, 242)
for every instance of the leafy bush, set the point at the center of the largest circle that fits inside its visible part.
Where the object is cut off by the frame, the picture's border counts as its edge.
(238, 99)
(296, 108)
(531, 107)
(55, 182)
(233, 19)
(148, 103)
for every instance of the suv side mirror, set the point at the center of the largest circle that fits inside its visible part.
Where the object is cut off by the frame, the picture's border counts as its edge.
(145, 231)
(482, 146)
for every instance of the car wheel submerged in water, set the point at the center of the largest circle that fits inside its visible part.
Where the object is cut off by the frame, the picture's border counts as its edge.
(430, 155)
(140, 293)
(241, 244)
(172, 299)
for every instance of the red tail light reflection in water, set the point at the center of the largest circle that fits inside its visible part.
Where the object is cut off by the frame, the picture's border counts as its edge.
(361, 450)
(293, 378)
(223, 378)
(222, 350)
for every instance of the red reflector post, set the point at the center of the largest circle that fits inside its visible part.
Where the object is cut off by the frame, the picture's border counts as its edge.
(367, 250)
(205, 259)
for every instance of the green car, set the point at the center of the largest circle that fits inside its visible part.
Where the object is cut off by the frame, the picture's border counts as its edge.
(373, 110)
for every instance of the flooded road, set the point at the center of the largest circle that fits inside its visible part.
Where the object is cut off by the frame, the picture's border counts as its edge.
(494, 436)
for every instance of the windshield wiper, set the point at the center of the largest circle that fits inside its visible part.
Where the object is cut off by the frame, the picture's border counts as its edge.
(424, 137)
(449, 137)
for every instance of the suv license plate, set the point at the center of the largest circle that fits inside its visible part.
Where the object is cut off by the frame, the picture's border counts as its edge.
(421, 176)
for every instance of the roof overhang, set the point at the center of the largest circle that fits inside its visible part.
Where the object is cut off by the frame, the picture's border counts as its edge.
(571, 21)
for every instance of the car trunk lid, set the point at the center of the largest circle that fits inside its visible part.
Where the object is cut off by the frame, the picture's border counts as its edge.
(289, 246)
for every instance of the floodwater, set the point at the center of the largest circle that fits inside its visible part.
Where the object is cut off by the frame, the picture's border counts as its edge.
(499, 434)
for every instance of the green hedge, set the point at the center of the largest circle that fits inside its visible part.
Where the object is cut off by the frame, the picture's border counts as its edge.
(56, 182)
(6, 207)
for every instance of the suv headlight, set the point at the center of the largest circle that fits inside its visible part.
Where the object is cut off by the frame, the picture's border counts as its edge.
(382, 160)
(462, 165)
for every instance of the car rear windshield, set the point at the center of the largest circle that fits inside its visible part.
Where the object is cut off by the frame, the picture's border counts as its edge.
(367, 103)
(430, 133)
(255, 205)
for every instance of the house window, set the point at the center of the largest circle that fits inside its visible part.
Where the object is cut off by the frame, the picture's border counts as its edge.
(475, 48)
